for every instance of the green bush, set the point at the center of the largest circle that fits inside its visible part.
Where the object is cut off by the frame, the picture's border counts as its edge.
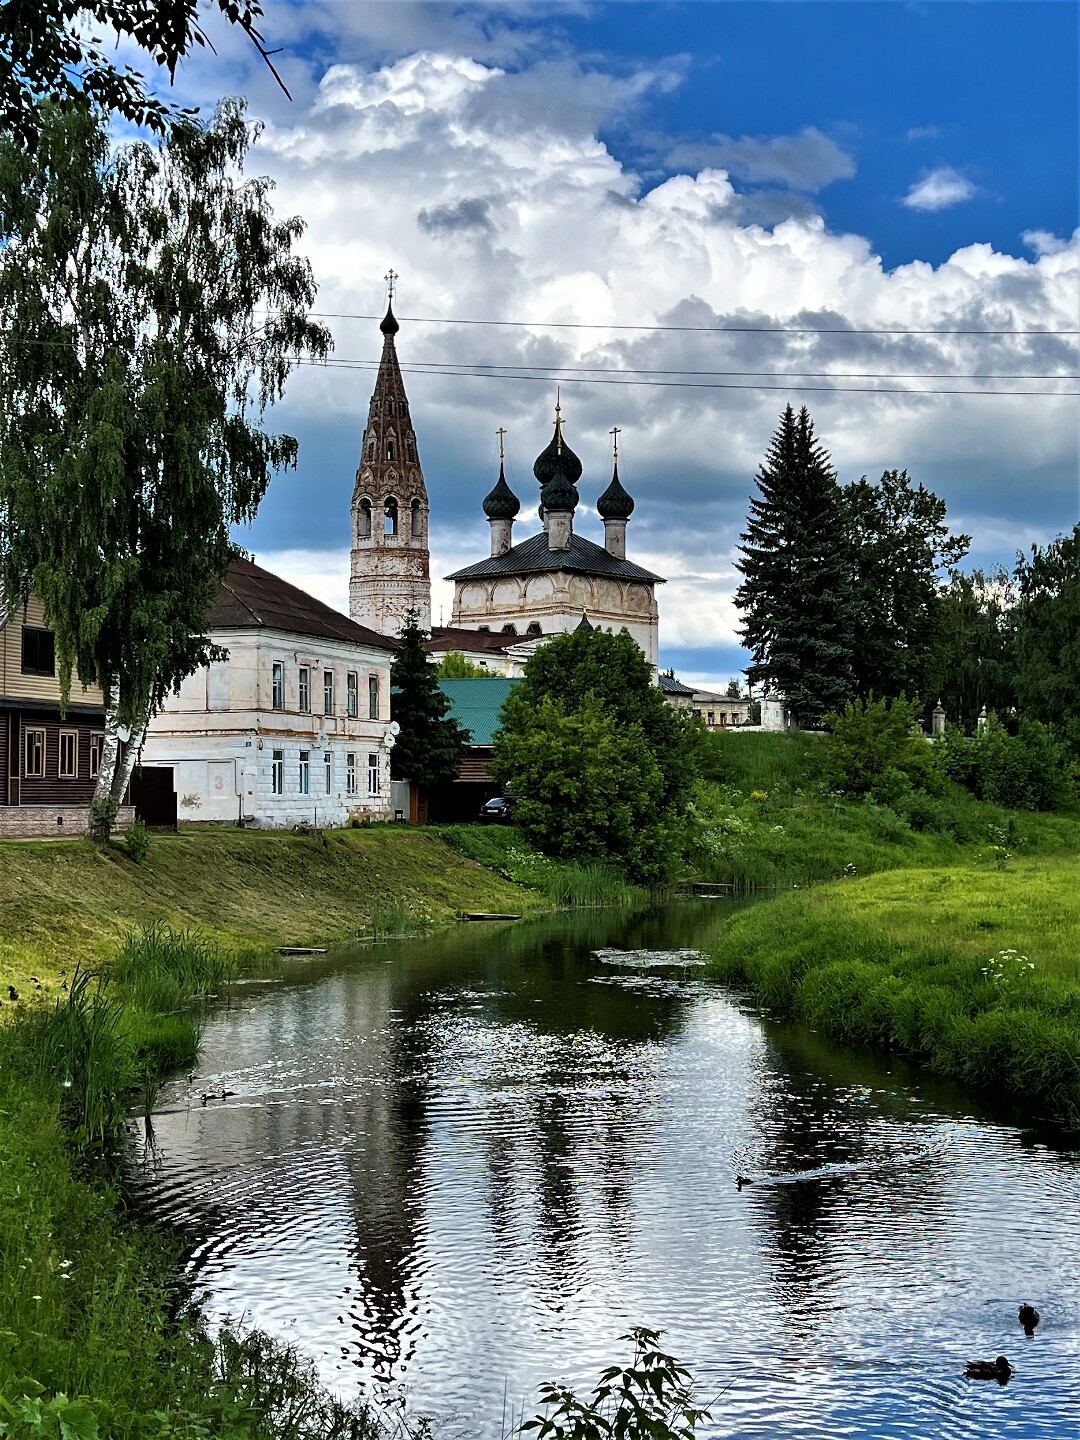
(876, 748)
(137, 841)
(1031, 770)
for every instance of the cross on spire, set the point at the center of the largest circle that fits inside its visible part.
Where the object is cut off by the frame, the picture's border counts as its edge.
(558, 419)
(615, 432)
(391, 277)
(501, 433)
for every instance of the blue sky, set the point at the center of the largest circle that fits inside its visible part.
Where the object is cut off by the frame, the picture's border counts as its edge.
(875, 165)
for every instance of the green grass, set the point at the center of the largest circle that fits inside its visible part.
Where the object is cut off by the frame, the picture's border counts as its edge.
(67, 902)
(973, 972)
(563, 884)
(766, 823)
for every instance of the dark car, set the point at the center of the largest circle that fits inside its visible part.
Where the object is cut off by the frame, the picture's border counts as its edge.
(498, 811)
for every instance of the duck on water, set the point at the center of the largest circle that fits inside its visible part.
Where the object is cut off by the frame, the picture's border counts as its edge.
(998, 1370)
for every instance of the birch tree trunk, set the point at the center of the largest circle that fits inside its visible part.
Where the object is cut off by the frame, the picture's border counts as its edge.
(110, 746)
(126, 766)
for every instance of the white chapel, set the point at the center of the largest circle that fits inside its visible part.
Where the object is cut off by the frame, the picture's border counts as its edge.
(508, 602)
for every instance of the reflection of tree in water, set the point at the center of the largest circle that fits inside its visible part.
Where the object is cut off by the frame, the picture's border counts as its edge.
(808, 1116)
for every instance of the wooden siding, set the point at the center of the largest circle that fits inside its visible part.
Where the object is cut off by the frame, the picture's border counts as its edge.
(14, 685)
(22, 789)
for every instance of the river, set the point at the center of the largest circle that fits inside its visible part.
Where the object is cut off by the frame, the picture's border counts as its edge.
(450, 1168)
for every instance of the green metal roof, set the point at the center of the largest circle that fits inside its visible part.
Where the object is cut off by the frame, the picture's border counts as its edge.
(476, 704)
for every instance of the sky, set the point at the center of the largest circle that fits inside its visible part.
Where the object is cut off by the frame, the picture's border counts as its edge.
(803, 176)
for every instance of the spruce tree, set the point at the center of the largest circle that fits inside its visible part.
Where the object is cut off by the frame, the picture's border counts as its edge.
(430, 743)
(797, 596)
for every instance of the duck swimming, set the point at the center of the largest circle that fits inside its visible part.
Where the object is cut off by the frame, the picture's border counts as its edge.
(741, 1180)
(998, 1370)
(1029, 1317)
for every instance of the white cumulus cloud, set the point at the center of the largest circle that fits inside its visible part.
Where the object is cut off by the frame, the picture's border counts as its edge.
(938, 190)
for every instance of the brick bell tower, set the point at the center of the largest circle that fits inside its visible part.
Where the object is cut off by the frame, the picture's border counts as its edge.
(390, 570)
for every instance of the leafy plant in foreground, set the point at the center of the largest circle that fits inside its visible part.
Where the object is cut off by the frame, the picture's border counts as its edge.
(652, 1398)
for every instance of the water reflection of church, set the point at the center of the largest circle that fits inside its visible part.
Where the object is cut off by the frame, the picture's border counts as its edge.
(539, 586)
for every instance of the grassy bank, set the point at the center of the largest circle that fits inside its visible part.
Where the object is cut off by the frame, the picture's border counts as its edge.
(94, 1340)
(68, 901)
(562, 883)
(766, 822)
(974, 973)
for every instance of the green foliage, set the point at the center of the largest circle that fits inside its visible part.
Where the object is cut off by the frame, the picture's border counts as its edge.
(651, 1398)
(900, 542)
(430, 745)
(55, 50)
(151, 309)
(1031, 770)
(136, 840)
(583, 788)
(969, 663)
(903, 962)
(454, 666)
(103, 818)
(1046, 634)
(160, 968)
(600, 767)
(565, 884)
(875, 748)
(797, 599)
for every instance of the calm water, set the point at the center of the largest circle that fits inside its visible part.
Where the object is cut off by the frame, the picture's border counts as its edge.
(453, 1168)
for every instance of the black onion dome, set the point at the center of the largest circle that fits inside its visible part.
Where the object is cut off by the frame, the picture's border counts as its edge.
(557, 456)
(615, 503)
(584, 623)
(389, 324)
(501, 503)
(559, 493)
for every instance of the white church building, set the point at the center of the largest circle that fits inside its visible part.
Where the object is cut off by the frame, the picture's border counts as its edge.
(520, 592)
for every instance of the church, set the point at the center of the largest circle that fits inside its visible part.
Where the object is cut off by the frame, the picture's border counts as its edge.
(508, 602)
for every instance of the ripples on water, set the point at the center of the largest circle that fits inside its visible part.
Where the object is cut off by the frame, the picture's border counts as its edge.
(466, 1164)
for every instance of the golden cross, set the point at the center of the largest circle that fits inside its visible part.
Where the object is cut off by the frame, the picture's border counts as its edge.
(500, 432)
(391, 277)
(615, 433)
(558, 419)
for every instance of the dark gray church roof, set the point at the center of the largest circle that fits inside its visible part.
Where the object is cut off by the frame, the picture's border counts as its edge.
(533, 556)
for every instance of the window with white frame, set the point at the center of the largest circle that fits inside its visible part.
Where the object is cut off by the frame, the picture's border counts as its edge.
(328, 692)
(373, 697)
(328, 766)
(97, 744)
(304, 776)
(34, 755)
(277, 773)
(304, 690)
(373, 774)
(68, 761)
(352, 694)
(350, 774)
(279, 685)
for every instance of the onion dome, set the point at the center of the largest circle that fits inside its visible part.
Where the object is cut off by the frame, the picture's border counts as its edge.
(584, 623)
(557, 456)
(389, 324)
(559, 493)
(615, 503)
(501, 503)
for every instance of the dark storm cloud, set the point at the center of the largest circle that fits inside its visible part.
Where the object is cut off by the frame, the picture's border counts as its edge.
(466, 215)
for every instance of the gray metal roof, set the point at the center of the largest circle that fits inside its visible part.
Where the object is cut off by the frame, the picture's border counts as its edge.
(251, 598)
(533, 556)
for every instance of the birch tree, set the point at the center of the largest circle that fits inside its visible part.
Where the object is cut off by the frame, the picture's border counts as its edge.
(151, 310)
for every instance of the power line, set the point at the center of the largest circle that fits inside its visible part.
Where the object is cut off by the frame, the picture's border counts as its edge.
(449, 371)
(693, 329)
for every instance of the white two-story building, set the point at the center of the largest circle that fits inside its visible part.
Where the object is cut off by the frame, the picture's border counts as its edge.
(294, 727)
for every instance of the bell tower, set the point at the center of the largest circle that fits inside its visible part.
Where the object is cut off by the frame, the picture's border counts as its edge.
(389, 572)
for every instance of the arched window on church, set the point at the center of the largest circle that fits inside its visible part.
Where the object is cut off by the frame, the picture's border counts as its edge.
(363, 520)
(410, 448)
(510, 629)
(390, 516)
(390, 448)
(371, 449)
(534, 628)
(417, 529)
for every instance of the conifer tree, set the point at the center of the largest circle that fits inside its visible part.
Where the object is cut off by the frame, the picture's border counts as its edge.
(796, 595)
(430, 744)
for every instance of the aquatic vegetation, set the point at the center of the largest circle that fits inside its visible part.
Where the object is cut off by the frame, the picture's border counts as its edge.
(563, 883)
